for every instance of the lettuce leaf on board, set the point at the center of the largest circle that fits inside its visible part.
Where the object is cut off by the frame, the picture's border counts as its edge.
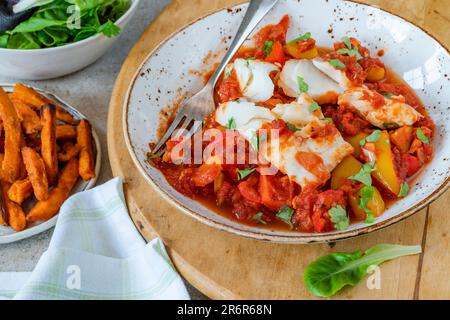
(329, 274)
(50, 25)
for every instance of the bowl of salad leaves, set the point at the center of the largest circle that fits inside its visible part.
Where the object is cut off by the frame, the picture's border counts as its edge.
(44, 39)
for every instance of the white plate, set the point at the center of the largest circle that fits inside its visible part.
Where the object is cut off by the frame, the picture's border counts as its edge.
(7, 234)
(167, 73)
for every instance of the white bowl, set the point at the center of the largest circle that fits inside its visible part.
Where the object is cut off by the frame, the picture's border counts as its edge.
(40, 64)
(167, 73)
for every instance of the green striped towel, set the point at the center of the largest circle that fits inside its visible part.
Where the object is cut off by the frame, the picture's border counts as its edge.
(97, 253)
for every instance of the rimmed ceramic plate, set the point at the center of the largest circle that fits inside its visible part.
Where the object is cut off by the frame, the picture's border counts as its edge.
(8, 235)
(167, 74)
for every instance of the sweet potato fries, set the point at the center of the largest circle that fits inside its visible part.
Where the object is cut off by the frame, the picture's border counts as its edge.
(43, 152)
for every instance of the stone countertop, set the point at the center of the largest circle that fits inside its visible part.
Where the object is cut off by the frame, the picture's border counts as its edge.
(89, 91)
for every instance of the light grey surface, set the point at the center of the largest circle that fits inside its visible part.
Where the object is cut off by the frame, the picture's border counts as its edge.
(89, 91)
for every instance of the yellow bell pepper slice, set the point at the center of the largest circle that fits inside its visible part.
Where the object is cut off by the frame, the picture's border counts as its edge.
(384, 164)
(376, 205)
(292, 49)
(376, 73)
(402, 138)
(347, 168)
(354, 141)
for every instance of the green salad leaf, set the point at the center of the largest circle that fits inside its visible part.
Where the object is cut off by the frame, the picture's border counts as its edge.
(329, 274)
(62, 22)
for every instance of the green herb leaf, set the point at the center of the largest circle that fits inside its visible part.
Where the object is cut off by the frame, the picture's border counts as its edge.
(267, 48)
(254, 141)
(339, 217)
(337, 64)
(329, 120)
(304, 37)
(285, 214)
(367, 193)
(228, 70)
(390, 125)
(351, 53)
(251, 58)
(313, 107)
(388, 95)
(364, 175)
(244, 173)
(373, 137)
(421, 136)
(347, 42)
(404, 190)
(292, 127)
(231, 124)
(259, 217)
(302, 85)
(329, 274)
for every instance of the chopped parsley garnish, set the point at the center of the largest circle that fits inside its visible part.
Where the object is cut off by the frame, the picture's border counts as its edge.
(367, 193)
(244, 173)
(313, 107)
(292, 127)
(231, 124)
(329, 120)
(404, 190)
(337, 64)
(302, 85)
(285, 214)
(364, 175)
(304, 37)
(388, 95)
(339, 217)
(267, 48)
(351, 53)
(373, 137)
(421, 136)
(390, 125)
(251, 58)
(347, 42)
(228, 70)
(259, 217)
(256, 140)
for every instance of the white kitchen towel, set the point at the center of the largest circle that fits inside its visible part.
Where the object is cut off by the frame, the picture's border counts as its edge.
(97, 253)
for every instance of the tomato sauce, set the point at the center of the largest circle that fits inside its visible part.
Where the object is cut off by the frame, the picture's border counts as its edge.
(264, 201)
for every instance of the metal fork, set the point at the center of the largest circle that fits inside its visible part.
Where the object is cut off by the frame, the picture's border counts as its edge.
(194, 109)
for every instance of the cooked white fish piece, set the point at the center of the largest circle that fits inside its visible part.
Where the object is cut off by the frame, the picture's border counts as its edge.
(379, 110)
(245, 116)
(311, 154)
(337, 75)
(321, 88)
(254, 79)
(298, 112)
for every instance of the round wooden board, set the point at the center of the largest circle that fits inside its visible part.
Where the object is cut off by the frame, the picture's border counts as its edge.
(224, 266)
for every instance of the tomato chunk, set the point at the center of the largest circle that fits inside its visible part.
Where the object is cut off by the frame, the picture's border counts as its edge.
(276, 192)
(206, 174)
(228, 89)
(412, 163)
(249, 189)
(277, 54)
(273, 32)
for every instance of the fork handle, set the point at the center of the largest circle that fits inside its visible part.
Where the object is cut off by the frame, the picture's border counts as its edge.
(257, 10)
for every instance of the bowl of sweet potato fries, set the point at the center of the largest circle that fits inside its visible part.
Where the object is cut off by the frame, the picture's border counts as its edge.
(48, 151)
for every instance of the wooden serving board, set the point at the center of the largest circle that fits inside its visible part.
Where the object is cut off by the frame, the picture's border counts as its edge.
(225, 266)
